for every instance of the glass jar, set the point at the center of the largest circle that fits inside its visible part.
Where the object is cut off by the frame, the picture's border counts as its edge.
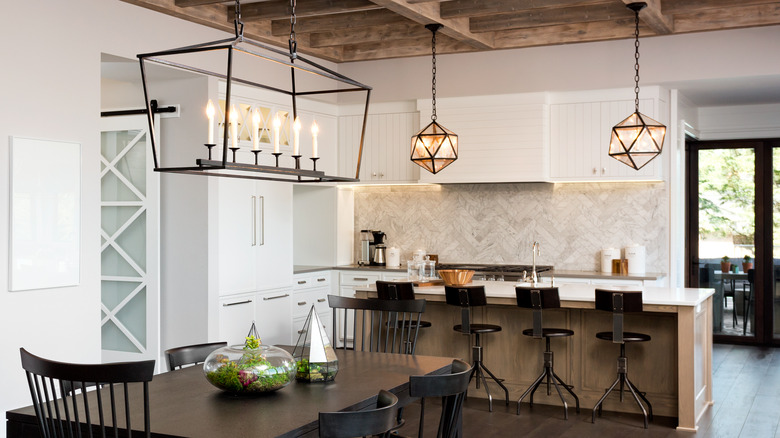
(245, 371)
(428, 269)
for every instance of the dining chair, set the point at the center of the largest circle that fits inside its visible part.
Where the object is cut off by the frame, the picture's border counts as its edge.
(398, 290)
(74, 414)
(190, 354)
(747, 299)
(366, 319)
(452, 389)
(372, 422)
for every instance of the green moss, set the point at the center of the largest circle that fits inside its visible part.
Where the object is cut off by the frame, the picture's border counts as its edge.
(313, 372)
(252, 373)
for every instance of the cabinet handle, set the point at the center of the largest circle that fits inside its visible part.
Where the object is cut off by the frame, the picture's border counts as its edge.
(236, 303)
(603, 170)
(321, 300)
(301, 303)
(300, 332)
(261, 219)
(301, 281)
(595, 171)
(254, 217)
(276, 297)
(360, 279)
(320, 279)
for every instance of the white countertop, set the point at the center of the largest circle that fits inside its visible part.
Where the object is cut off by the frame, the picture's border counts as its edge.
(662, 296)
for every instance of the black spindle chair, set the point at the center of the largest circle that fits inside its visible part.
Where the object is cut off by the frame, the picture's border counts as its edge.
(620, 302)
(538, 299)
(76, 412)
(190, 354)
(366, 319)
(377, 422)
(452, 389)
(398, 290)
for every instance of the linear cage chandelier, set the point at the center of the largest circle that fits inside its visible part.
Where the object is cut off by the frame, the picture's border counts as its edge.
(637, 139)
(264, 70)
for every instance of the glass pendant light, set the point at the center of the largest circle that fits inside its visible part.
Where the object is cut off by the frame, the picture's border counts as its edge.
(435, 147)
(637, 139)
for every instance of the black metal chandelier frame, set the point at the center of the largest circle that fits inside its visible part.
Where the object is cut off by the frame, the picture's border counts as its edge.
(242, 45)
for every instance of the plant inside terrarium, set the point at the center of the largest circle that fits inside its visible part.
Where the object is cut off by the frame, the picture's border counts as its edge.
(315, 359)
(253, 368)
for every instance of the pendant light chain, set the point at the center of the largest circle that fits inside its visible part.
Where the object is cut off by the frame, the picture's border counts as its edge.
(433, 80)
(636, 63)
(237, 23)
(293, 22)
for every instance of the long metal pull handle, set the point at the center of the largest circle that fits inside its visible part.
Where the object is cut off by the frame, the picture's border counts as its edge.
(302, 281)
(360, 279)
(320, 279)
(236, 303)
(276, 297)
(321, 300)
(262, 220)
(254, 217)
(301, 303)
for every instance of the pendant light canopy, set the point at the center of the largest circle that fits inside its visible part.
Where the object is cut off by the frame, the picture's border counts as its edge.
(638, 139)
(435, 147)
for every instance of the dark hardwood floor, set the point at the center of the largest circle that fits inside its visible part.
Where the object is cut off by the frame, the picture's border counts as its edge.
(746, 392)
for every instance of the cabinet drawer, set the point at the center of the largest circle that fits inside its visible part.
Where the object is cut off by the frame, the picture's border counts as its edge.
(303, 301)
(358, 278)
(325, 319)
(307, 281)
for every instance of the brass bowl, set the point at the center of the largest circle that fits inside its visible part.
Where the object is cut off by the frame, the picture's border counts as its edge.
(456, 277)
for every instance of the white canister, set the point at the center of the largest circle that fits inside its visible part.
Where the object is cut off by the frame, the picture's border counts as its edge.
(636, 256)
(607, 254)
(393, 257)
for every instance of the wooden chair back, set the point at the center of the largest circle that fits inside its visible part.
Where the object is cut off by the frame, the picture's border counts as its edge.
(367, 320)
(537, 298)
(372, 422)
(451, 388)
(394, 290)
(79, 413)
(190, 354)
(618, 302)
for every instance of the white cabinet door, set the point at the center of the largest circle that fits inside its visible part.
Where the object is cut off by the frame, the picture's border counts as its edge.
(386, 147)
(235, 318)
(237, 212)
(273, 317)
(274, 257)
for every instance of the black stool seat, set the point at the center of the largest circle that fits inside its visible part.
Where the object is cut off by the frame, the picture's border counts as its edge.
(627, 336)
(479, 328)
(550, 332)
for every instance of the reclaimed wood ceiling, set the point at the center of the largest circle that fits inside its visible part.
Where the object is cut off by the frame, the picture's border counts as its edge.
(359, 30)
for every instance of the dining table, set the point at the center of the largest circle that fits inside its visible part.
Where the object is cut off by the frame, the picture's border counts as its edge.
(184, 404)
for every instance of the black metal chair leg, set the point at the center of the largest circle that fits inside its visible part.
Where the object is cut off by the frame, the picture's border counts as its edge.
(634, 393)
(531, 389)
(642, 396)
(576, 399)
(487, 389)
(601, 400)
(497, 380)
(560, 394)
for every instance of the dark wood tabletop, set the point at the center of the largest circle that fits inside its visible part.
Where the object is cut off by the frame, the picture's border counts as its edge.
(184, 404)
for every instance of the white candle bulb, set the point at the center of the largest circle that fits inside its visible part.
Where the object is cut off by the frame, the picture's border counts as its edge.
(314, 131)
(233, 126)
(277, 124)
(255, 129)
(297, 136)
(210, 114)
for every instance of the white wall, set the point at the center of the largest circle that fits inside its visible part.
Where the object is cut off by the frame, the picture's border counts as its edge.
(739, 122)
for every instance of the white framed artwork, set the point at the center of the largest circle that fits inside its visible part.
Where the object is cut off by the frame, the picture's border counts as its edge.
(45, 226)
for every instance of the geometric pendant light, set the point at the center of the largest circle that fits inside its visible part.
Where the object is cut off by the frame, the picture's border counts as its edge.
(638, 139)
(434, 147)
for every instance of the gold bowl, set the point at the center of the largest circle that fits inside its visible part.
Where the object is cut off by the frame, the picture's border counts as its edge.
(456, 277)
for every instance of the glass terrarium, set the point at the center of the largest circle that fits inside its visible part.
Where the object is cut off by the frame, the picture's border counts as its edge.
(315, 358)
(249, 368)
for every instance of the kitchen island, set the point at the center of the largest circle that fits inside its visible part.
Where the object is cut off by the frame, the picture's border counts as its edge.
(674, 368)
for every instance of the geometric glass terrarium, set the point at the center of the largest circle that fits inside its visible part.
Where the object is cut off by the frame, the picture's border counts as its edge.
(315, 358)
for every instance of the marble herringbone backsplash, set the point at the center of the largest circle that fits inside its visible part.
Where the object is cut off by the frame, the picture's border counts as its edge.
(497, 223)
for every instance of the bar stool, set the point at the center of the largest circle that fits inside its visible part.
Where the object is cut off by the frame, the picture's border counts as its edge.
(619, 302)
(538, 299)
(398, 290)
(467, 297)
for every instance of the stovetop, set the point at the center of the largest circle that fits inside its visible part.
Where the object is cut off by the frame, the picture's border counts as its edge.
(479, 268)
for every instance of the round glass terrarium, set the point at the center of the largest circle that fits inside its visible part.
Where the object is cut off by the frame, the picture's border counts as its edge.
(243, 370)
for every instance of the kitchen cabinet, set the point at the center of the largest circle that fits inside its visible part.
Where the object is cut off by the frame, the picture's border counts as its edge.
(311, 289)
(500, 138)
(255, 235)
(386, 148)
(580, 132)
(271, 312)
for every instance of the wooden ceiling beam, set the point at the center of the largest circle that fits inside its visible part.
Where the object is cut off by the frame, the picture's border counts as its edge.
(352, 20)
(387, 33)
(477, 8)
(427, 13)
(404, 48)
(654, 17)
(188, 3)
(550, 17)
(737, 16)
(681, 7)
(279, 9)
(568, 33)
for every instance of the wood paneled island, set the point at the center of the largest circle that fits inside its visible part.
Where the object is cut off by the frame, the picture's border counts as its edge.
(674, 368)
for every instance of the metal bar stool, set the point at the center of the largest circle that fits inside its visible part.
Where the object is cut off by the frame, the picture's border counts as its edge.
(538, 299)
(467, 297)
(619, 302)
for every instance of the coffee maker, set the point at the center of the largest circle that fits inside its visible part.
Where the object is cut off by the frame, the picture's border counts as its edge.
(378, 249)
